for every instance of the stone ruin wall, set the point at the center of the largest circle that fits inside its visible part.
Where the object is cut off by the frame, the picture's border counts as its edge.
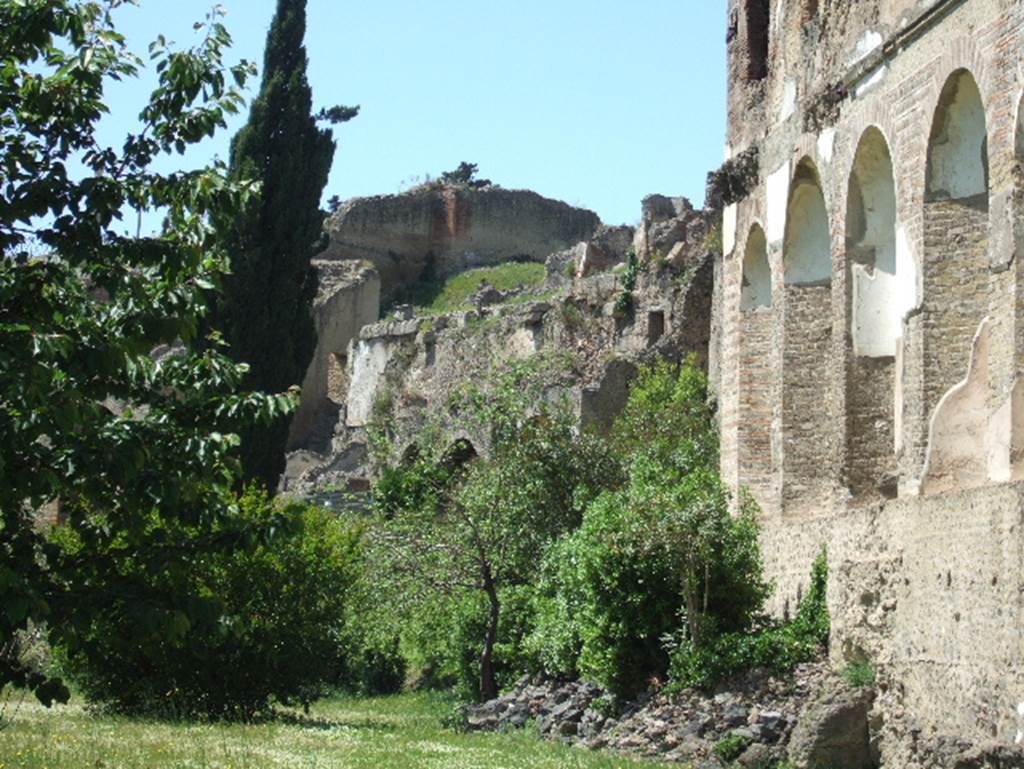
(405, 367)
(888, 390)
(431, 233)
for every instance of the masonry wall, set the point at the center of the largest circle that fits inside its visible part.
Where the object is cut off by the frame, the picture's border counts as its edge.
(870, 450)
(807, 420)
(756, 409)
(956, 289)
(924, 585)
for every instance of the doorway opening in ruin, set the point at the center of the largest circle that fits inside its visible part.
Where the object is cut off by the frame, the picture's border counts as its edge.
(457, 456)
(758, 18)
(955, 275)
(337, 378)
(655, 327)
(756, 321)
(878, 295)
(807, 351)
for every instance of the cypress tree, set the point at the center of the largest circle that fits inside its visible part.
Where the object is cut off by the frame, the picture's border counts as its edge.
(265, 310)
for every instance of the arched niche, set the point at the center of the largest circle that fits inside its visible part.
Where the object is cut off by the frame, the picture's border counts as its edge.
(757, 327)
(879, 295)
(807, 253)
(807, 352)
(756, 291)
(955, 274)
(958, 146)
(458, 455)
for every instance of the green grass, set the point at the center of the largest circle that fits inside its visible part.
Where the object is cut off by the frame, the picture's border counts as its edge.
(401, 732)
(438, 299)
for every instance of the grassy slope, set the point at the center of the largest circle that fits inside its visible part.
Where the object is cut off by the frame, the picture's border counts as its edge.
(449, 296)
(392, 733)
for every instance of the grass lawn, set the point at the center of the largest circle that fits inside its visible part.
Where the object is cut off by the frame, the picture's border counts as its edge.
(439, 299)
(401, 732)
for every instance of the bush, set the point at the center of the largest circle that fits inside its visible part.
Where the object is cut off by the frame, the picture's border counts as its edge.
(774, 646)
(661, 552)
(270, 616)
(859, 674)
(730, 748)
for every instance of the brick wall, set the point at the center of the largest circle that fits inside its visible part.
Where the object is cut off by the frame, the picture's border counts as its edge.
(956, 290)
(807, 419)
(870, 447)
(755, 421)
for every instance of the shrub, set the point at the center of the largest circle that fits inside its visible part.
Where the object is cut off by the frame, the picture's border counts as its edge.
(571, 316)
(730, 748)
(270, 616)
(859, 674)
(775, 646)
(661, 551)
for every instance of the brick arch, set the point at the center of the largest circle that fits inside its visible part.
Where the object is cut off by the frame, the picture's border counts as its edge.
(955, 269)
(807, 349)
(876, 302)
(756, 324)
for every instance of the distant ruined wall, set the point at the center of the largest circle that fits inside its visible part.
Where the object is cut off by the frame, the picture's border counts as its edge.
(438, 232)
(402, 372)
(348, 298)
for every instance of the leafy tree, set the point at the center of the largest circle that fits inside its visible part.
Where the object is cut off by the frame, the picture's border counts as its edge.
(479, 529)
(265, 311)
(130, 444)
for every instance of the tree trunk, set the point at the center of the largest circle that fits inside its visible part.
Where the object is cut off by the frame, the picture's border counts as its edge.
(488, 683)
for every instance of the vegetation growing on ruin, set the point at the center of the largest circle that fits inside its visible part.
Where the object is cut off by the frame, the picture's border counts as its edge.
(441, 297)
(735, 179)
(770, 645)
(636, 573)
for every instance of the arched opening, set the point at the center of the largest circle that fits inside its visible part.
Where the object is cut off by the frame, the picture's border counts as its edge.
(758, 17)
(411, 455)
(955, 275)
(757, 322)
(756, 291)
(457, 456)
(877, 298)
(807, 346)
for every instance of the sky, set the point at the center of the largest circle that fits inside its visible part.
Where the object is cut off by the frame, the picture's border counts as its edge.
(594, 102)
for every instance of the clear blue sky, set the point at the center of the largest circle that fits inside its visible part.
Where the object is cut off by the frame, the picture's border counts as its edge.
(595, 102)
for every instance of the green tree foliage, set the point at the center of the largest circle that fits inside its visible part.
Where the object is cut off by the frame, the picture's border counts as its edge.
(479, 528)
(464, 176)
(265, 311)
(127, 442)
(659, 557)
(266, 624)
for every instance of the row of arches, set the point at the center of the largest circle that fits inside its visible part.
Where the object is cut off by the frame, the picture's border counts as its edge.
(884, 329)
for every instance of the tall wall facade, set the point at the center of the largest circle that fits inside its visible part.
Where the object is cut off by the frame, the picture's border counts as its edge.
(870, 374)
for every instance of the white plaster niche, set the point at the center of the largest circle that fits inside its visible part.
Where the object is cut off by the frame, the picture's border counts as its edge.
(756, 292)
(879, 294)
(777, 188)
(957, 160)
(808, 247)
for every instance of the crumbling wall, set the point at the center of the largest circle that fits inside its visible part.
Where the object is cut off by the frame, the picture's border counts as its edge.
(348, 298)
(430, 233)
